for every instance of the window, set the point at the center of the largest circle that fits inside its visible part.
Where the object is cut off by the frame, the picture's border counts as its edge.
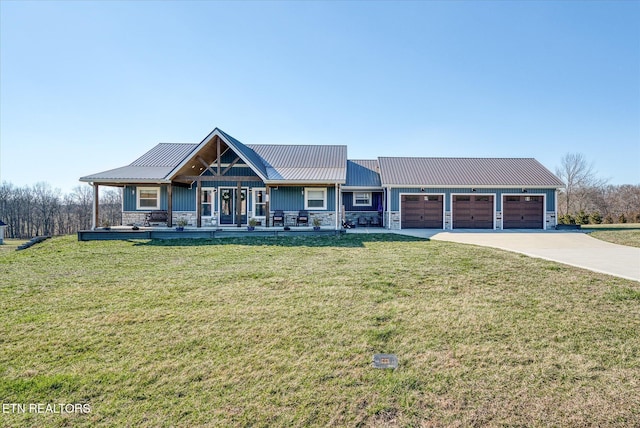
(315, 198)
(148, 198)
(207, 202)
(259, 202)
(362, 199)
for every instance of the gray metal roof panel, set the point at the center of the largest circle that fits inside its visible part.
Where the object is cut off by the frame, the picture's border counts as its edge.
(165, 155)
(406, 171)
(137, 173)
(303, 162)
(363, 173)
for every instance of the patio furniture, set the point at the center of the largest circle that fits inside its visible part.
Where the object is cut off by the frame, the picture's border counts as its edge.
(155, 217)
(278, 217)
(362, 221)
(375, 221)
(303, 217)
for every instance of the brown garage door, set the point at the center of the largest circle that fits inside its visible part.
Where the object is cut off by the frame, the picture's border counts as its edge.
(522, 212)
(422, 211)
(473, 211)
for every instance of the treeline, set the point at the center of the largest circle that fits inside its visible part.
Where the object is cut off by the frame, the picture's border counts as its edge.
(587, 198)
(602, 204)
(39, 210)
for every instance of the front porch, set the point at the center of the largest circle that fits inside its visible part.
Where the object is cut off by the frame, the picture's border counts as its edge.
(126, 233)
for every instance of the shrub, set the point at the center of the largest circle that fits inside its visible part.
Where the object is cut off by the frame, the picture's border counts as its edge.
(608, 219)
(567, 219)
(595, 218)
(582, 218)
(622, 218)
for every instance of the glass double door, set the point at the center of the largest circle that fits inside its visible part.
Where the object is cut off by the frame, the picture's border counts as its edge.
(230, 201)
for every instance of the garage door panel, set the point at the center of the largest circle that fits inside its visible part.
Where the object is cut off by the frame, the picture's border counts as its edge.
(523, 212)
(422, 211)
(473, 211)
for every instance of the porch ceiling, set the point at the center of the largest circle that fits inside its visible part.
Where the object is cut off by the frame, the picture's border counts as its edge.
(207, 155)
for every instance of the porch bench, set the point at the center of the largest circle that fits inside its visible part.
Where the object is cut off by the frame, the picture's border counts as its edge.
(156, 217)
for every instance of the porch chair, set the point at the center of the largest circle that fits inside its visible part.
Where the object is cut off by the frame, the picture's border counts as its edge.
(278, 217)
(375, 221)
(362, 221)
(303, 217)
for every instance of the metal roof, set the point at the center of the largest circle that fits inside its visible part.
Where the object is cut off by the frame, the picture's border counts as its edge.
(363, 173)
(152, 166)
(405, 171)
(165, 154)
(315, 163)
(247, 154)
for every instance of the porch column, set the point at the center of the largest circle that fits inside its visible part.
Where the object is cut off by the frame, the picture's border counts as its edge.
(337, 205)
(169, 205)
(267, 206)
(239, 204)
(388, 208)
(96, 213)
(198, 205)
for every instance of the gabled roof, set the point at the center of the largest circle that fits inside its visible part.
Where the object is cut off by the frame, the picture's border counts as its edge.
(278, 164)
(287, 163)
(363, 173)
(153, 166)
(468, 172)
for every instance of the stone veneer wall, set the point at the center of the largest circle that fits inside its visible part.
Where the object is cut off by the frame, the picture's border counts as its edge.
(130, 218)
(352, 216)
(551, 219)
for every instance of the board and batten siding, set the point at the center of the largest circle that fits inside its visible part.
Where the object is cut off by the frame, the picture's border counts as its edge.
(376, 199)
(129, 197)
(288, 198)
(498, 191)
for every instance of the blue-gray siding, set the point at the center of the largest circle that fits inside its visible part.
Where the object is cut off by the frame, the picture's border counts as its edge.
(184, 199)
(376, 202)
(395, 195)
(292, 198)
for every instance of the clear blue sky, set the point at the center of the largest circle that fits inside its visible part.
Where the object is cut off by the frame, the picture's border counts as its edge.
(90, 86)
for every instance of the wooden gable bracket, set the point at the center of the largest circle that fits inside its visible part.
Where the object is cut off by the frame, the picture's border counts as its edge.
(206, 165)
(235, 161)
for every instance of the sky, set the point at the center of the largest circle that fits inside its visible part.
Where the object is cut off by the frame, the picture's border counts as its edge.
(87, 86)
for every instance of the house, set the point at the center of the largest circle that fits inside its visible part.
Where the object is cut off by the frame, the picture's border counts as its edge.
(2, 226)
(222, 182)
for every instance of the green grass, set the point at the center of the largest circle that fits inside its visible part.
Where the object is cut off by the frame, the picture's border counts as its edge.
(623, 234)
(281, 332)
(11, 244)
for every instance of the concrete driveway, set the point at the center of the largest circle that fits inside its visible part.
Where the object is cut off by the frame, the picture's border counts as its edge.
(571, 248)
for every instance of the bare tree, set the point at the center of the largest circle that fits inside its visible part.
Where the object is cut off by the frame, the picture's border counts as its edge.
(580, 180)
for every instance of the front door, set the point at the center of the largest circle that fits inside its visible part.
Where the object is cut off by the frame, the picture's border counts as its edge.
(229, 201)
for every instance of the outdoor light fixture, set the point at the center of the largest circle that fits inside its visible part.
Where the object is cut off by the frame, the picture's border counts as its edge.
(524, 190)
(473, 190)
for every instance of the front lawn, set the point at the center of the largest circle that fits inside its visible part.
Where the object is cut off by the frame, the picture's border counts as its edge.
(282, 332)
(623, 234)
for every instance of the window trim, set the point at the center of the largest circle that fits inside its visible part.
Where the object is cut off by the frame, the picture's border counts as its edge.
(139, 191)
(366, 204)
(254, 201)
(315, 189)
